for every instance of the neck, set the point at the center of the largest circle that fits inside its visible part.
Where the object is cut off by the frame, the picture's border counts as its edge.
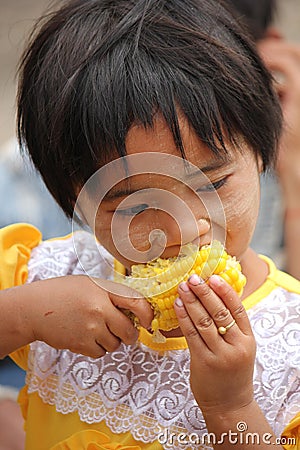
(255, 270)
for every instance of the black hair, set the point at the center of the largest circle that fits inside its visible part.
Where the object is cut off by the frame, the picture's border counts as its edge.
(257, 15)
(95, 67)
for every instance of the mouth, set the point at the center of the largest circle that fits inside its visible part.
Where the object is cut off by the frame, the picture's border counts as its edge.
(174, 250)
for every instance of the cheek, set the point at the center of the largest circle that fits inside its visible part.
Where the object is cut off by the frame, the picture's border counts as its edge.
(127, 240)
(138, 234)
(103, 230)
(241, 210)
(146, 232)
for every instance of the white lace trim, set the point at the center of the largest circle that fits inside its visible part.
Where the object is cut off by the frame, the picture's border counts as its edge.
(145, 392)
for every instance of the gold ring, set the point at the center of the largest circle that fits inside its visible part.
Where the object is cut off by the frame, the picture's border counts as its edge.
(223, 330)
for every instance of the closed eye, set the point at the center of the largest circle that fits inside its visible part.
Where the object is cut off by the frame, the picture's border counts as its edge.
(133, 210)
(212, 186)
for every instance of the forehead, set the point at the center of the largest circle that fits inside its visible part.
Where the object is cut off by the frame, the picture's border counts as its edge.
(153, 154)
(142, 171)
(159, 138)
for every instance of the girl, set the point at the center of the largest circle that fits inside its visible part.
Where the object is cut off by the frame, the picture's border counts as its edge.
(108, 87)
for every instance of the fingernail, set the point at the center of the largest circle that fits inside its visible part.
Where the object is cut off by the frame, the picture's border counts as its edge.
(179, 302)
(195, 280)
(184, 287)
(215, 280)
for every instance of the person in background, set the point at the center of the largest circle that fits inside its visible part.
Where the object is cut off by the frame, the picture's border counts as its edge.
(279, 219)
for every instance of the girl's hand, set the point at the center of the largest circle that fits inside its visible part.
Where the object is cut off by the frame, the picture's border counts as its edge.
(221, 365)
(73, 312)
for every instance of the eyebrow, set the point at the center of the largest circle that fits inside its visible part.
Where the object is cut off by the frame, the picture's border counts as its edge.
(118, 192)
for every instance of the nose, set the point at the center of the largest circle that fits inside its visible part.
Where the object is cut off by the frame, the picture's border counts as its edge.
(181, 218)
(203, 236)
(187, 230)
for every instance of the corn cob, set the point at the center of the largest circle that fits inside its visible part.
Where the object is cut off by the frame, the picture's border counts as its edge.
(158, 280)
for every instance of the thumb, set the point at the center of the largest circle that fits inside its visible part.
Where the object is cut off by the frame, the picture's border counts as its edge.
(127, 298)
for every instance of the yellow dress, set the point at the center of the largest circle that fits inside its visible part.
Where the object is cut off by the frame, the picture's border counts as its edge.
(54, 422)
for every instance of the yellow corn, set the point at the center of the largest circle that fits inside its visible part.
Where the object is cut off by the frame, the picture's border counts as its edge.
(158, 280)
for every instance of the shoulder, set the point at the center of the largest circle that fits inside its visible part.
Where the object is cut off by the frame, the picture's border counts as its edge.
(275, 306)
(287, 282)
(277, 287)
(280, 278)
(75, 254)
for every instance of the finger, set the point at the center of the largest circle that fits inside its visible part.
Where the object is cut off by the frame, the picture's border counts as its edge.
(113, 325)
(193, 338)
(127, 298)
(92, 350)
(217, 311)
(200, 317)
(121, 327)
(139, 306)
(232, 302)
(100, 351)
(107, 339)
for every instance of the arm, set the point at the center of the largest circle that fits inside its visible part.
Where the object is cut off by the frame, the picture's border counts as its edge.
(283, 59)
(222, 377)
(71, 312)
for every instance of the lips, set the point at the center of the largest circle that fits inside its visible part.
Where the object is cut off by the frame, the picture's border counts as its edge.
(174, 250)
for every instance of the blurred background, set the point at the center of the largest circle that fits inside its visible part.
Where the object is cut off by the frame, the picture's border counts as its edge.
(17, 18)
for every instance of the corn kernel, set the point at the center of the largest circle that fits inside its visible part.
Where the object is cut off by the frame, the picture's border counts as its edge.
(158, 280)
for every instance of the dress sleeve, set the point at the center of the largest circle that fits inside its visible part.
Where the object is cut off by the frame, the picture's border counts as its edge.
(16, 243)
(92, 440)
(291, 434)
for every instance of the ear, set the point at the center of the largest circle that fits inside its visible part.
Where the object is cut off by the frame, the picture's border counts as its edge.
(260, 164)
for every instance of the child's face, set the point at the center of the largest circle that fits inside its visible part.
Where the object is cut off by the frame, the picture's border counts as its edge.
(235, 180)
